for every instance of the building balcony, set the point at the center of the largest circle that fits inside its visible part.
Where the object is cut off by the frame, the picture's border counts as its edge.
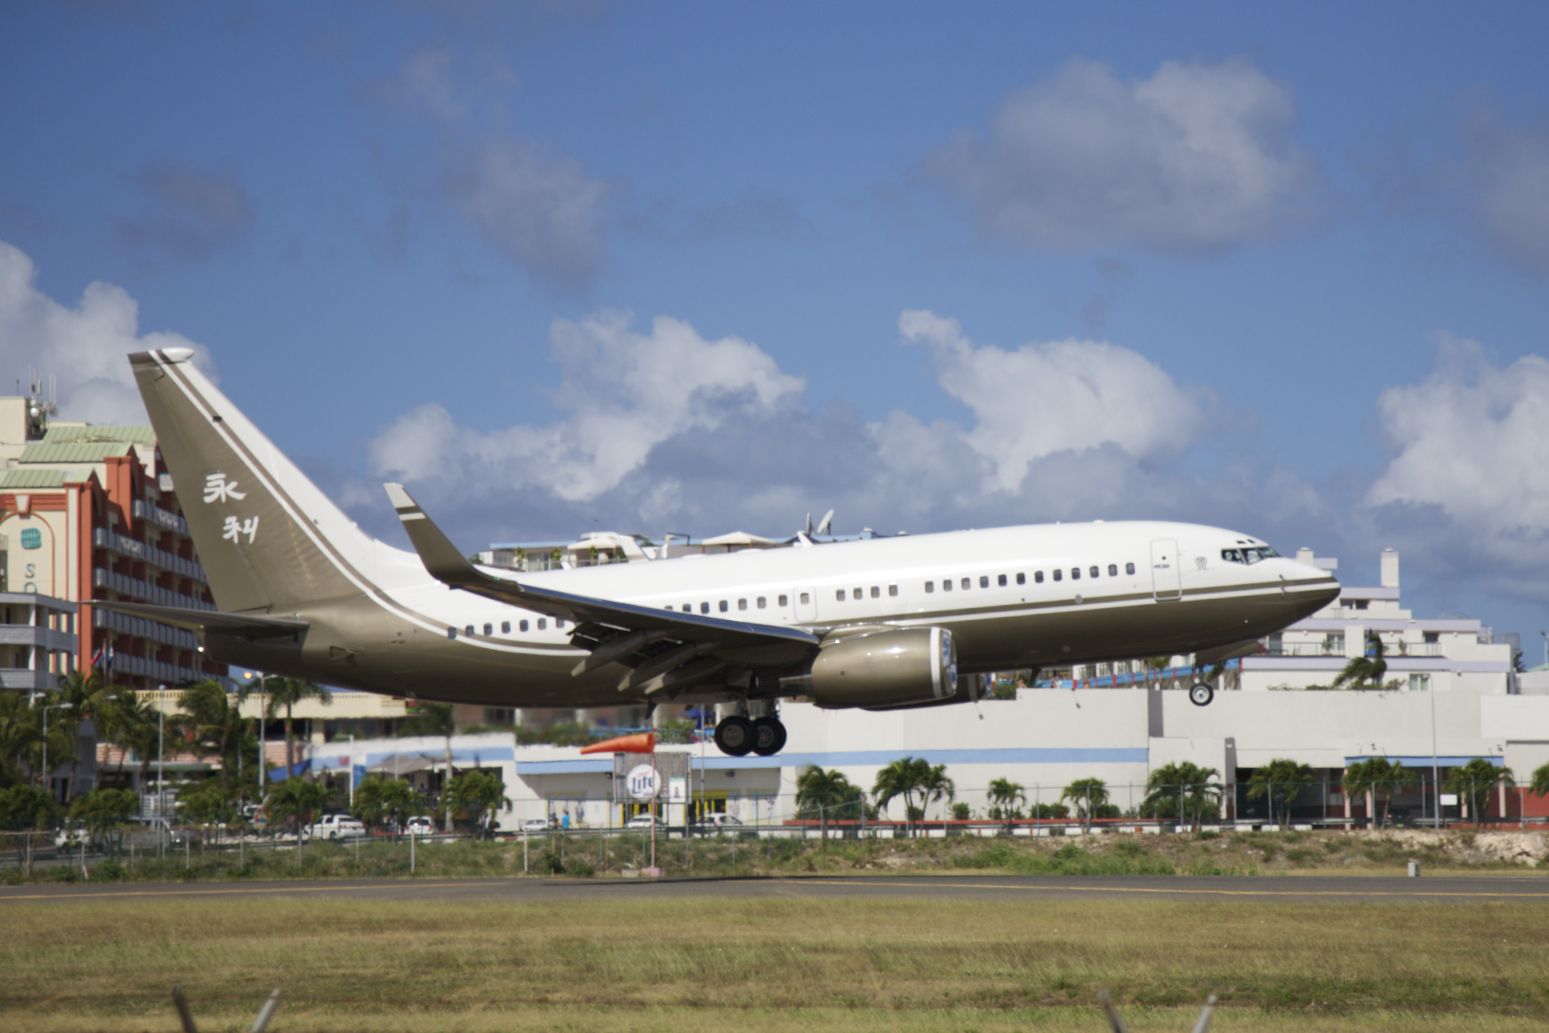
(145, 591)
(160, 517)
(155, 556)
(155, 670)
(140, 627)
(38, 638)
(26, 680)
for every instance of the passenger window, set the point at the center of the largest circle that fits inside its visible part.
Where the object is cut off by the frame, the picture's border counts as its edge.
(688, 607)
(505, 627)
(489, 629)
(543, 623)
(1038, 576)
(984, 581)
(805, 599)
(704, 607)
(1075, 573)
(946, 584)
(451, 632)
(468, 631)
(1001, 581)
(855, 593)
(724, 606)
(967, 583)
(1095, 571)
(839, 595)
(1021, 578)
(876, 593)
(1058, 575)
(1129, 568)
(763, 603)
(522, 626)
(560, 623)
(742, 604)
(892, 590)
(930, 587)
(1113, 570)
(785, 600)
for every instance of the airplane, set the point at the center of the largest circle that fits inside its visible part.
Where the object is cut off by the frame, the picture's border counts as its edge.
(883, 623)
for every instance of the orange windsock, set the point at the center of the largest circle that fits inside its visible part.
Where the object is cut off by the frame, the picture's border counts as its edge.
(641, 742)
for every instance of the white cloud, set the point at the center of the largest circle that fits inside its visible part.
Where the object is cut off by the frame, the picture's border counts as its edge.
(624, 393)
(1052, 397)
(1470, 440)
(84, 346)
(1197, 157)
(537, 206)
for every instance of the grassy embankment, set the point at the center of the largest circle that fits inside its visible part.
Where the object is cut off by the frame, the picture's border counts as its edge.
(1242, 853)
(688, 966)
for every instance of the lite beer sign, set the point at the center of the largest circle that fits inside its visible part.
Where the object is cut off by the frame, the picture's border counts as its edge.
(643, 782)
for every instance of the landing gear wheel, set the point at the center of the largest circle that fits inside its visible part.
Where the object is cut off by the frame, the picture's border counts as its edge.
(734, 736)
(1201, 694)
(768, 736)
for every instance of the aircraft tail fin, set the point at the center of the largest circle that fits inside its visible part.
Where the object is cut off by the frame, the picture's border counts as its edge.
(267, 537)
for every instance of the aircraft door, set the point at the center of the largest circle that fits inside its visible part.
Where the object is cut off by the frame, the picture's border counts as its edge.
(806, 604)
(1166, 576)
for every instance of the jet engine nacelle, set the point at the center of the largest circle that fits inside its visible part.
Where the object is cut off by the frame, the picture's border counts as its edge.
(881, 667)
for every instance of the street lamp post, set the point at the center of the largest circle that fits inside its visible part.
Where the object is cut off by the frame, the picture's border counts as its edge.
(263, 766)
(48, 782)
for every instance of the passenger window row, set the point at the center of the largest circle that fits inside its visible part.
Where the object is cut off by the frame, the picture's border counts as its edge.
(964, 584)
(724, 606)
(505, 627)
(857, 594)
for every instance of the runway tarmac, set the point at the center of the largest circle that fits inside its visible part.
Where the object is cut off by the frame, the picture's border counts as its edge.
(1310, 889)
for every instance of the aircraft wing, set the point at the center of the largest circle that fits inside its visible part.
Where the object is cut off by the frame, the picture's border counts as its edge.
(664, 648)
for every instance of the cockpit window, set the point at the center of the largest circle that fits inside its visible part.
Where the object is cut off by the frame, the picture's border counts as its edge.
(1249, 555)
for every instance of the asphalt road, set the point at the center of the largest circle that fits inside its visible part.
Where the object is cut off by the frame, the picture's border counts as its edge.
(1309, 889)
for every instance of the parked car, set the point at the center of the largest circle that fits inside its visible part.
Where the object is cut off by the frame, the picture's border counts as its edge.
(644, 821)
(334, 826)
(70, 836)
(533, 826)
(420, 825)
(718, 825)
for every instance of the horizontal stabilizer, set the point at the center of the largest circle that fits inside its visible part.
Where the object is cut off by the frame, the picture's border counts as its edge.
(238, 625)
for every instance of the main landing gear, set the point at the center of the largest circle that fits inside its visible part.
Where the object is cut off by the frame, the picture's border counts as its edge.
(1201, 694)
(738, 736)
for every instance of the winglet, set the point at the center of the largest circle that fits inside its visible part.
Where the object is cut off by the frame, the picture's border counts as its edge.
(435, 549)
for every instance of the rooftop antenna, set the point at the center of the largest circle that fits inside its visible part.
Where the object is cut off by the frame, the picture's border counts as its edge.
(39, 409)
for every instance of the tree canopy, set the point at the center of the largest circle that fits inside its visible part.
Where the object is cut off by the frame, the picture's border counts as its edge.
(1280, 782)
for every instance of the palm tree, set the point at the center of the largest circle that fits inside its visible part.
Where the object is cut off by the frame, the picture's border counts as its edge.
(1371, 668)
(381, 800)
(900, 778)
(86, 694)
(1183, 789)
(215, 719)
(1474, 781)
(1380, 777)
(1541, 780)
(1279, 781)
(823, 792)
(1006, 800)
(21, 733)
(481, 794)
(1089, 795)
(285, 693)
(435, 719)
(129, 722)
(296, 800)
(936, 786)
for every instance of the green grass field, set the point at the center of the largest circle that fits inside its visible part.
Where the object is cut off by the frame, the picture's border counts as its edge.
(768, 965)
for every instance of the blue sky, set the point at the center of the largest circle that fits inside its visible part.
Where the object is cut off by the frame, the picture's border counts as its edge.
(695, 267)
